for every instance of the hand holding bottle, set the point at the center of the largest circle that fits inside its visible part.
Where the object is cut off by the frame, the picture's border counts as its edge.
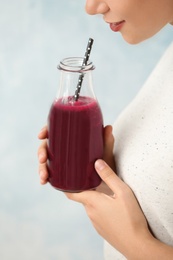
(107, 155)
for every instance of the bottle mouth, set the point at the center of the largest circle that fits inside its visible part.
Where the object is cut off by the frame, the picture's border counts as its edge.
(74, 64)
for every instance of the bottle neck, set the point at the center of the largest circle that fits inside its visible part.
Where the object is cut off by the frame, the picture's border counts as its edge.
(75, 64)
(74, 76)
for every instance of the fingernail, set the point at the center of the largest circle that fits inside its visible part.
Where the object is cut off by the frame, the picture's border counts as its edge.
(41, 173)
(42, 130)
(42, 182)
(42, 177)
(40, 156)
(100, 164)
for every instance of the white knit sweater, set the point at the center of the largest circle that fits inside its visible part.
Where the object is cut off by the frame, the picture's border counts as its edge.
(144, 151)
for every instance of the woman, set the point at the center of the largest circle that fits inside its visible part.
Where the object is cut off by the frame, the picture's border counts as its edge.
(134, 212)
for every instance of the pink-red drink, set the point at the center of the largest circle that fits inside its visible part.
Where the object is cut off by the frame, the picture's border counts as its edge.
(75, 141)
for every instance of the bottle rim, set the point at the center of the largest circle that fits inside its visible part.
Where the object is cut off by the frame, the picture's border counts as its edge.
(74, 64)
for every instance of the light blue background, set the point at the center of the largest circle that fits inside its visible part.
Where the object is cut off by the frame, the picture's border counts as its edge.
(38, 222)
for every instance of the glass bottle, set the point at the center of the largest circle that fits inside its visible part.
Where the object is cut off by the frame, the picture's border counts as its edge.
(75, 129)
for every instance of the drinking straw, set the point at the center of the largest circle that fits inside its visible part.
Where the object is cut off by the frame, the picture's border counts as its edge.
(84, 63)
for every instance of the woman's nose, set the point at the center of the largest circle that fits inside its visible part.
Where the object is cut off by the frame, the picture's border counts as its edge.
(96, 7)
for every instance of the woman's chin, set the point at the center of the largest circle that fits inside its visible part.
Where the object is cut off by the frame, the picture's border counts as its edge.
(132, 39)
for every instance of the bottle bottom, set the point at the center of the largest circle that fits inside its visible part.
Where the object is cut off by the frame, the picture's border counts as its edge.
(73, 190)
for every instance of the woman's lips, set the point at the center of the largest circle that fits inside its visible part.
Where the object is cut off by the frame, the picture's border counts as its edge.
(117, 26)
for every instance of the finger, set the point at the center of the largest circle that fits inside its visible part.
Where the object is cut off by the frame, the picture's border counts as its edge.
(108, 137)
(42, 152)
(108, 147)
(43, 133)
(43, 172)
(109, 176)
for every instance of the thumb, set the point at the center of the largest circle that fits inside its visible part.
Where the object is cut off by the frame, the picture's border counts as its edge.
(109, 176)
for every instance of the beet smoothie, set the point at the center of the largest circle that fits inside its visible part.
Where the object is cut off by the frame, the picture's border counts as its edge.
(75, 141)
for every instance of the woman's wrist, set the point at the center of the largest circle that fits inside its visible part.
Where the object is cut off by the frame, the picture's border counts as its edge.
(148, 247)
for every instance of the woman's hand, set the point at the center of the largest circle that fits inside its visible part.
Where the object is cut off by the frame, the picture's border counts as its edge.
(118, 217)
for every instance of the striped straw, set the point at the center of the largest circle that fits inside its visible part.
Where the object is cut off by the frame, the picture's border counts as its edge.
(84, 63)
